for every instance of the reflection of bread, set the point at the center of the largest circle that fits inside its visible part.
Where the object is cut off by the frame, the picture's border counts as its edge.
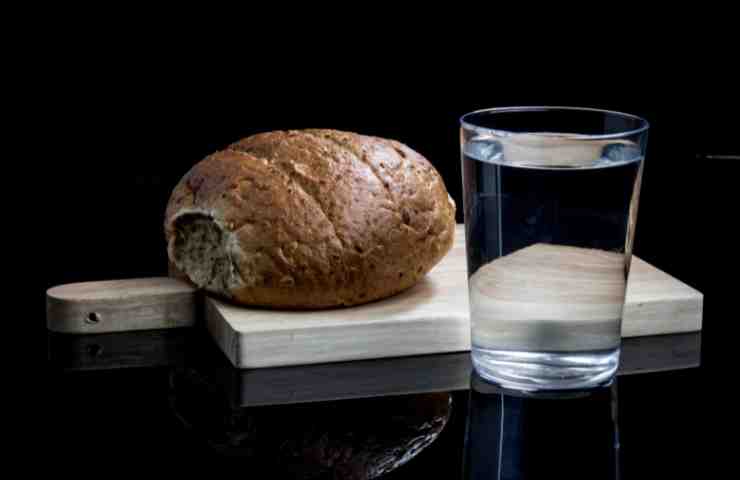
(352, 439)
(312, 218)
(552, 296)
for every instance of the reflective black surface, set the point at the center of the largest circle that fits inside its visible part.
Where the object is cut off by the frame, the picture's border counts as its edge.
(120, 122)
(172, 397)
(515, 435)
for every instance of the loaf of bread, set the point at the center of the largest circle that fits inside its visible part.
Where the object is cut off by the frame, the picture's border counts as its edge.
(309, 219)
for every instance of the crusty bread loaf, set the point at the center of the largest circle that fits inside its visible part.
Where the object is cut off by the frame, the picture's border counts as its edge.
(309, 219)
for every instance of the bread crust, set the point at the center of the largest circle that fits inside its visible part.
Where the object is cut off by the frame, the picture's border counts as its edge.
(316, 218)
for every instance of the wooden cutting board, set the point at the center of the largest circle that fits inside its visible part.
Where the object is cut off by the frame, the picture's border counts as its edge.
(431, 317)
(400, 376)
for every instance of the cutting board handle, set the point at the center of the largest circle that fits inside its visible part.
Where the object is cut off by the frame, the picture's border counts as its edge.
(121, 305)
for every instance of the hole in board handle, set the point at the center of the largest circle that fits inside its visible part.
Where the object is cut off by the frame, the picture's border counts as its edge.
(92, 318)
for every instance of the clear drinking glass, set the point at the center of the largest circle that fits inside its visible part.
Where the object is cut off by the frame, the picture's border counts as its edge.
(550, 201)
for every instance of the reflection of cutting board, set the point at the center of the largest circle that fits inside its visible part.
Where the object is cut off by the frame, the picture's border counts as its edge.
(432, 317)
(400, 376)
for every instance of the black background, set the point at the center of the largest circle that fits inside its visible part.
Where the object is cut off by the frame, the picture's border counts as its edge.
(118, 133)
(119, 126)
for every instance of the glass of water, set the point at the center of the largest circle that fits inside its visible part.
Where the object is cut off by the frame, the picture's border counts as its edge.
(550, 201)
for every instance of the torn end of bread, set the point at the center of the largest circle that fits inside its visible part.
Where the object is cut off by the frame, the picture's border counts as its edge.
(205, 251)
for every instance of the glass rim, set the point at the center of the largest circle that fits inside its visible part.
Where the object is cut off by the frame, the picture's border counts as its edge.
(644, 124)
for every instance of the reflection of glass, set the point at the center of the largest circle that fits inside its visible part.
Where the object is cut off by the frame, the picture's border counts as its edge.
(347, 439)
(550, 201)
(512, 435)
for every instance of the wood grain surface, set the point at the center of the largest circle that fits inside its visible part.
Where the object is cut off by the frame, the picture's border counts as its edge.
(431, 317)
(121, 305)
